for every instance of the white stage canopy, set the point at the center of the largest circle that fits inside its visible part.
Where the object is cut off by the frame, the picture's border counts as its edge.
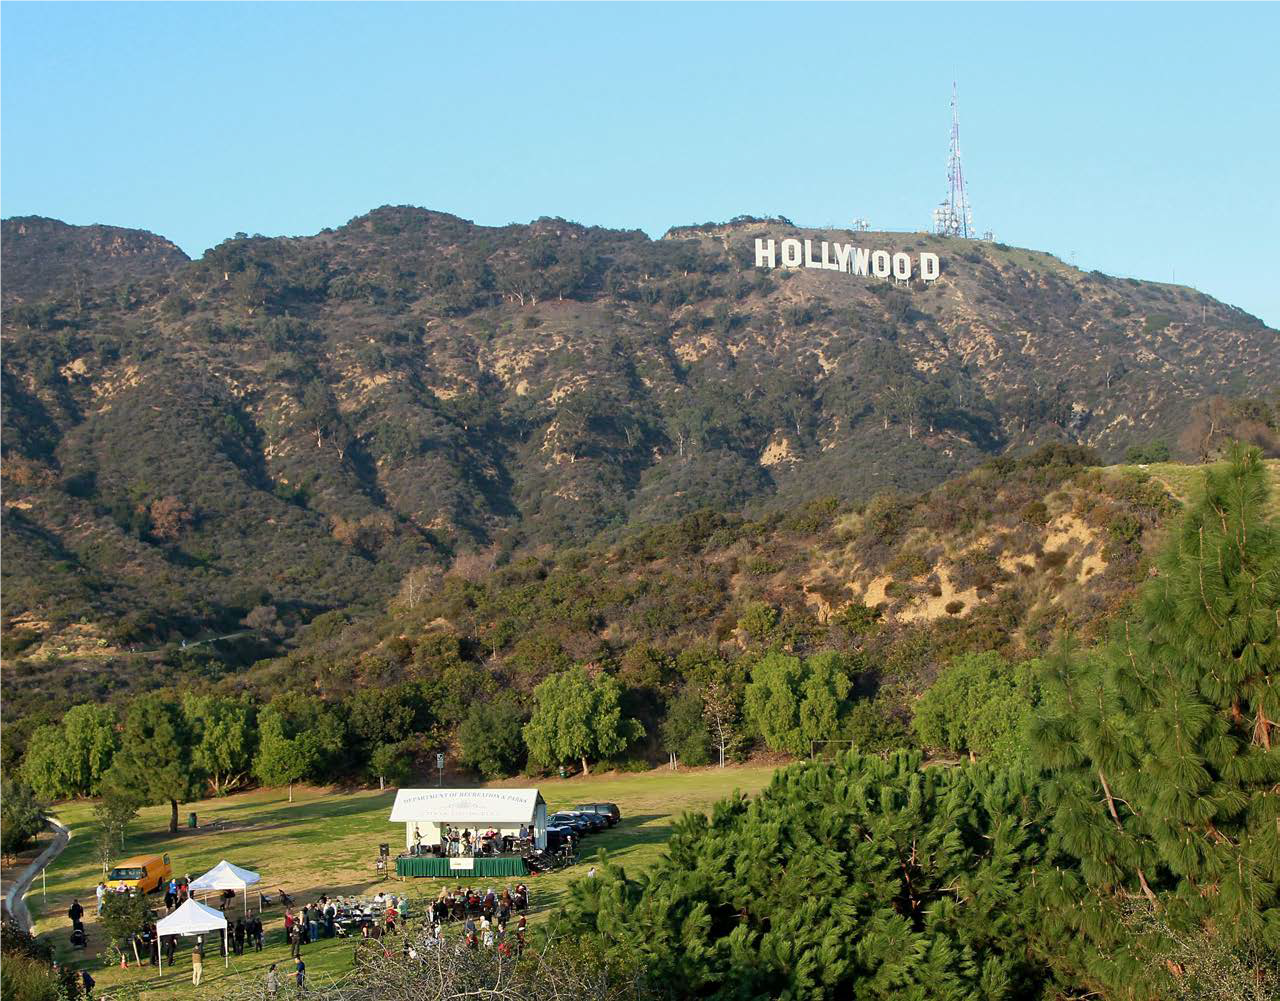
(193, 918)
(425, 812)
(225, 876)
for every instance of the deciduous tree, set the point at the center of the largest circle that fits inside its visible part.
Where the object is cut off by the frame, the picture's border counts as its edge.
(70, 758)
(225, 734)
(578, 717)
(794, 702)
(684, 730)
(298, 736)
(491, 738)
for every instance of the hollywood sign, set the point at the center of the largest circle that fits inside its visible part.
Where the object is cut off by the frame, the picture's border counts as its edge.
(832, 256)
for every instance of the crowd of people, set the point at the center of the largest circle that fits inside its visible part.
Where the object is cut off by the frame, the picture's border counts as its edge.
(489, 918)
(330, 916)
(463, 902)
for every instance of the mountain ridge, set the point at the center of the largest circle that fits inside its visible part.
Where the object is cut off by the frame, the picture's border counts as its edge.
(300, 422)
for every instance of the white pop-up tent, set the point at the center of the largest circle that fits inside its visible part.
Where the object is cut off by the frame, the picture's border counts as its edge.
(426, 812)
(193, 918)
(226, 876)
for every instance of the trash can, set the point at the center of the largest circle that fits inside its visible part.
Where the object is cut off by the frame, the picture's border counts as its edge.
(191, 820)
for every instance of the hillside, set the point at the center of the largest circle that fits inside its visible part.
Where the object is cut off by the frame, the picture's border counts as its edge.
(999, 558)
(287, 426)
(46, 258)
(1002, 558)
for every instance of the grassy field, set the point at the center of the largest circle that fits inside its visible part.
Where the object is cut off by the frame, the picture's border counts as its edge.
(326, 842)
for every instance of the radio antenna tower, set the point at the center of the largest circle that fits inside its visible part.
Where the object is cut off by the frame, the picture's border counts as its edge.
(953, 217)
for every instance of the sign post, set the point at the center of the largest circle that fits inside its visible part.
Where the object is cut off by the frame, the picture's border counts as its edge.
(439, 768)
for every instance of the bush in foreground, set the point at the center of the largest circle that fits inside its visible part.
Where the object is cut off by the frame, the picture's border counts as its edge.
(863, 878)
(386, 970)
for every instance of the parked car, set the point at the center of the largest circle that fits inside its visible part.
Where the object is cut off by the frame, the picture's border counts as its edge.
(595, 821)
(609, 811)
(577, 821)
(558, 835)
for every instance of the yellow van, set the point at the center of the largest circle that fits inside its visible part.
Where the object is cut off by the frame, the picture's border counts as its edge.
(143, 872)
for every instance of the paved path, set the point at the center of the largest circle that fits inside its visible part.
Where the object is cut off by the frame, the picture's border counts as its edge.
(13, 900)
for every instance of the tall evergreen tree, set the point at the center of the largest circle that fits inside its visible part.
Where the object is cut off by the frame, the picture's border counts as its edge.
(155, 760)
(1164, 753)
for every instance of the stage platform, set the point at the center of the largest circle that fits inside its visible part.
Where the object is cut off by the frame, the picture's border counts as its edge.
(501, 866)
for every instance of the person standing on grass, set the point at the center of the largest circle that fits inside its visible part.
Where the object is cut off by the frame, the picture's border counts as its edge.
(300, 976)
(295, 941)
(197, 963)
(170, 948)
(87, 983)
(255, 930)
(273, 982)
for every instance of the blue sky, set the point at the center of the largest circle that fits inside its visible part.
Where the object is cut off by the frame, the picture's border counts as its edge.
(1143, 139)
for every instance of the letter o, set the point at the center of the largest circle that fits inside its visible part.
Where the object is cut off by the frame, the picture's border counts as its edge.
(791, 253)
(880, 264)
(902, 267)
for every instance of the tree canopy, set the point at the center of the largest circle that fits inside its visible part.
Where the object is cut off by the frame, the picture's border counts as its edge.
(298, 735)
(71, 758)
(979, 705)
(794, 701)
(225, 735)
(490, 736)
(577, 717)
(155, 761)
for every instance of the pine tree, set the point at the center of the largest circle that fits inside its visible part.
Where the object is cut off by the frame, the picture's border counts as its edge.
(860, 878)
(1164, 755)
(154, 763)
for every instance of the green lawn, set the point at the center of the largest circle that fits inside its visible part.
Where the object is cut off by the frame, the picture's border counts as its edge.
(327, 841)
